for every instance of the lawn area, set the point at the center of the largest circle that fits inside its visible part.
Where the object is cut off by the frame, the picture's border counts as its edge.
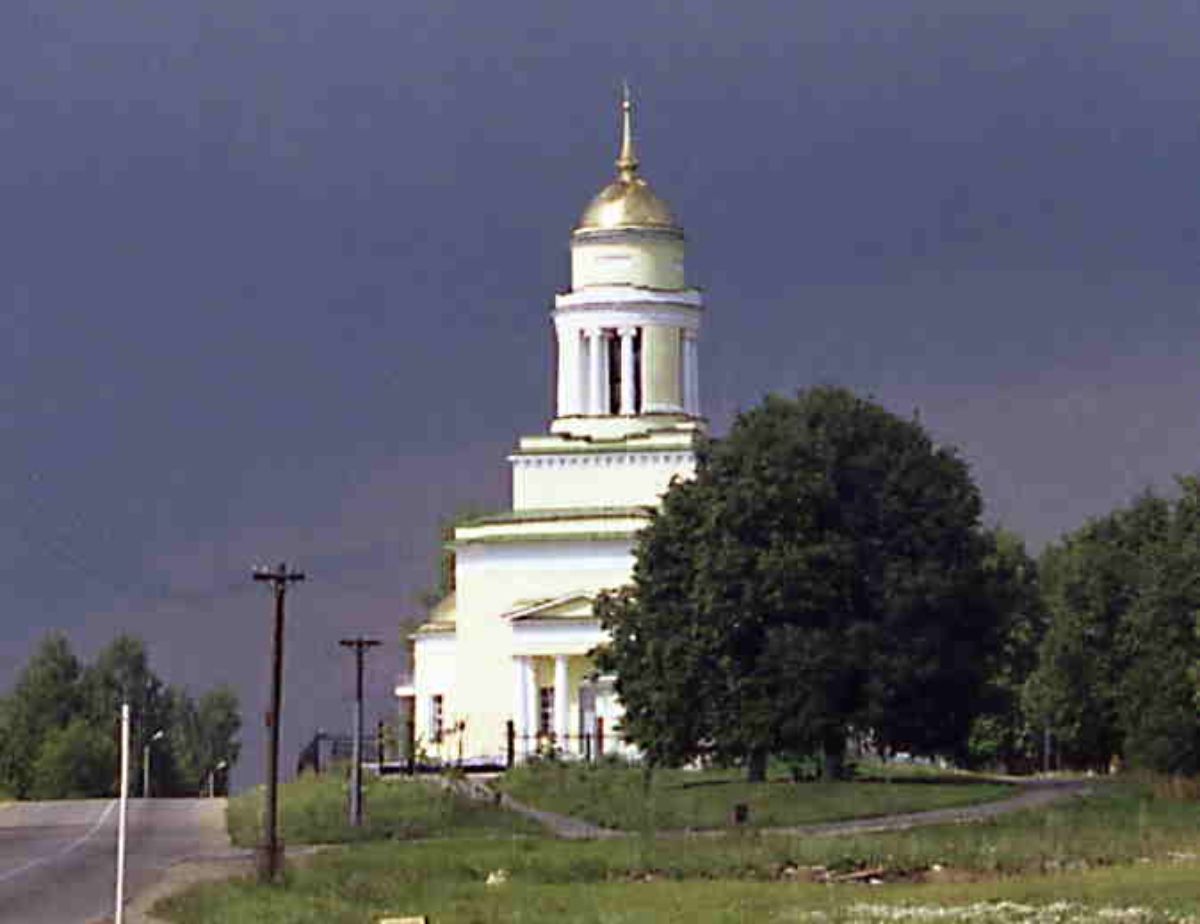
(313, 810)
(1158, 894)
(1117, 848)
(616, 796)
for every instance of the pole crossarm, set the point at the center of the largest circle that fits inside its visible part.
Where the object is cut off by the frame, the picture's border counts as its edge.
(280, 577)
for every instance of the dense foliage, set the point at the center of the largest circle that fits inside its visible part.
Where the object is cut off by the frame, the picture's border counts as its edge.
(1115, 678)
(824, 575)
(1002, 734)
(59, 726)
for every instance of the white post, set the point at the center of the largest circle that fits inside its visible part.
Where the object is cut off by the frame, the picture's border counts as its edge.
(561, 699)
(119, 913)
(596, 371)
(627, 371)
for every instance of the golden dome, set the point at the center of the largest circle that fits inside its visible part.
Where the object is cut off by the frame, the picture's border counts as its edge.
(626, 204)
(628, 201)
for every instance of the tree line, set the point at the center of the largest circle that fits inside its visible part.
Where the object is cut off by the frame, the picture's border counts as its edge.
(826, 579)
(60, 726)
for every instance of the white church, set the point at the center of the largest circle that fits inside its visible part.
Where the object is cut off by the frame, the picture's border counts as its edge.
(511, 644)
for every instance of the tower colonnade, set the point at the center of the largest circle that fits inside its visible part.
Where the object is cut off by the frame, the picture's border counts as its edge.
(624, 366)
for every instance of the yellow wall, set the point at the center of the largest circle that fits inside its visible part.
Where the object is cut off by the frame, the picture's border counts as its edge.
(491, 581)
(612, 480)
(662, 369)
(654, 263)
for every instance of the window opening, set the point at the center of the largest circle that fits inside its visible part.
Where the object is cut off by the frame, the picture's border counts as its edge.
(614, 372)
(637, 371)
(437, 718)
(545, 710)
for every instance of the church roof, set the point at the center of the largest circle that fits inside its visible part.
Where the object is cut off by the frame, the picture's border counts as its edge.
(442, 617)
(570, 607)
(549, 514)
(627, 202)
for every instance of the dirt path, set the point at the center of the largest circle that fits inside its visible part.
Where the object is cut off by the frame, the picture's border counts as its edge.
(1035, 793)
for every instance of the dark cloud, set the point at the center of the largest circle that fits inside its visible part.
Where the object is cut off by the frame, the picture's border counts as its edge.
(276, 276)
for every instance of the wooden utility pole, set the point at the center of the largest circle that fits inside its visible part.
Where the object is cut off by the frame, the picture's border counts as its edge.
(270, 852)
(360, 646)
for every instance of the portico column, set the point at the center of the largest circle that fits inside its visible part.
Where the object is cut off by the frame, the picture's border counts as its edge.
(569, 377)
(605, 382)
(691, 374)
(531, 699)
(627, 371)
(561, 700)
(524, 703)
(595, 371)
(519, 710)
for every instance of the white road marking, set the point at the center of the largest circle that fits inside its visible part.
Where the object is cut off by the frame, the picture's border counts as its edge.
(62, 851)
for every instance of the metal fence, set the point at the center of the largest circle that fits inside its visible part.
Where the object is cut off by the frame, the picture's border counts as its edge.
(545, 745)
(325, 749)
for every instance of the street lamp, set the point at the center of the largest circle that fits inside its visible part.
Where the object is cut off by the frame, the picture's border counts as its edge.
(212, 777)
(146, 763)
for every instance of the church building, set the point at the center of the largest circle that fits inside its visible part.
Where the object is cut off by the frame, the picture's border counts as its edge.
(511, 643)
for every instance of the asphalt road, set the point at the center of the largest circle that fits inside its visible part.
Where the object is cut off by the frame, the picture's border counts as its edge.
(58, 859)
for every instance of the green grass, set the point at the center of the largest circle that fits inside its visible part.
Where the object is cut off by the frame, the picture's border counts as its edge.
(616, 797)
(374, 881)
(1161, 892)
(313, 810)
(1114, 848)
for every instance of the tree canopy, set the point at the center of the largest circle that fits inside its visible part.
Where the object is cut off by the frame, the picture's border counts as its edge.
(1002, 734)
(1115, 676)
(59, 724)
(822, 576)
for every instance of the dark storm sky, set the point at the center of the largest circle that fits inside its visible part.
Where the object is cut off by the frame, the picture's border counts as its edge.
(275, 276)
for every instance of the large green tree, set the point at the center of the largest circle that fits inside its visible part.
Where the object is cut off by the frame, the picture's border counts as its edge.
(121, 673)
(822, 576)
(203, 737)
(44, 700)
(1114, 676)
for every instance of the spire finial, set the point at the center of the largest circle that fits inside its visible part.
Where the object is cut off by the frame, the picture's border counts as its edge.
(627, 162)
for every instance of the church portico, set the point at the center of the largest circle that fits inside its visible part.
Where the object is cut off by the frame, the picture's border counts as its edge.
(513, 647)
(560, 705)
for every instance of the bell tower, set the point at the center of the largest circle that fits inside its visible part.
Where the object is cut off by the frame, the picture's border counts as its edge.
(628, 405)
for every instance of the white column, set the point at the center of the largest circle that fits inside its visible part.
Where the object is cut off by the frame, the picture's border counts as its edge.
(582, 375)
(570, 372)
(691, 374)
(627, 371)
(520, 710)
(596, 374)
(605, 381)
(578, 372)
(561, 699)
(531, 698)
(564, 367)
